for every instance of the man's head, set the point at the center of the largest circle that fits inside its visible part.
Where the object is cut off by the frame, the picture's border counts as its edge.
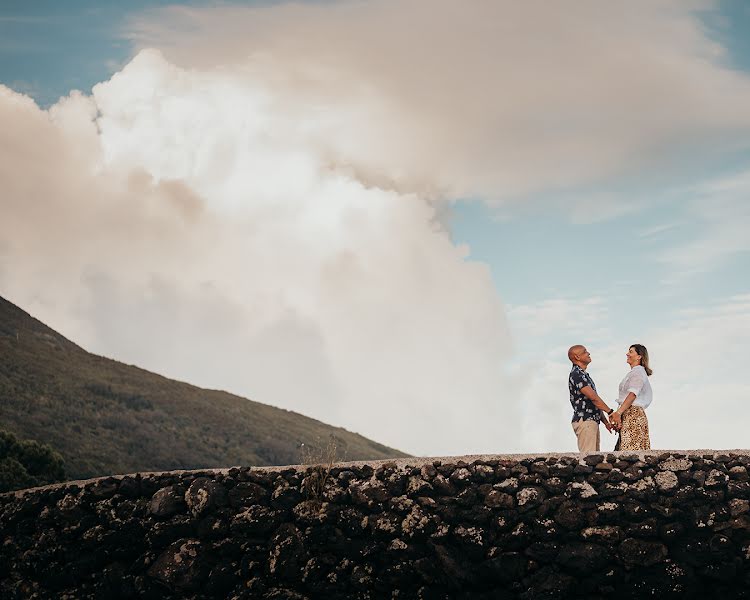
(578, 355)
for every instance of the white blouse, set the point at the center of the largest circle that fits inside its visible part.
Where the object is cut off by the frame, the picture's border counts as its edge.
(636, 381)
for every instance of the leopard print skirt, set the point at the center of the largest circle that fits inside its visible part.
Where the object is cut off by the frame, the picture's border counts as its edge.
(634, 432)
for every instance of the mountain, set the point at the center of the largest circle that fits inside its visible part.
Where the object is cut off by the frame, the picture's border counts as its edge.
(106, 417)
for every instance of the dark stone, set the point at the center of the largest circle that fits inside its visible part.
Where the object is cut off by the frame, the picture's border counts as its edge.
(555, 485)
(286, 554)
(641, 553)
(470, 539)
(540, 468)
(593, 459)
(597, 477)
(443, 486)
(582, 469)
(671, 531)
(212, 527)
(518, 538)
(721, 546)
(716, 479)
(314, 512)
(181, 566)
(452, 567)
(385, 526)
(467, 497)
(167, 501)
(417, 486)
(632, 473)
(161, 534)
(418, 524)
(548, 582)
(369, 493)
(530, 479)
(722, 572)
(221, 579)
(281, 593)
(482, 473)
(460, 477)
(497, 499)
(545, 552)
(647, 528)
(636, 511)
(530, 497)
(361, 577)
(569, 515)
(130, 487)
(613, 490)
(247, 493)
(582, 558)
(205, 495)
(255, 520)
(286, 497)
(603, 534)
(102, 488)
(738, 489)
(504, 567)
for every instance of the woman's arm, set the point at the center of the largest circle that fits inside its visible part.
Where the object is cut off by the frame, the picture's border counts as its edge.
(616, 417)
(626, 404)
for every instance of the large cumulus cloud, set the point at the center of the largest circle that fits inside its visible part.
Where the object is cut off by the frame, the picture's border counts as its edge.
(179, 219)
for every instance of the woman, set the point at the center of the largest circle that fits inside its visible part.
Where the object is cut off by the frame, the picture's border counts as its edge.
(635, 396)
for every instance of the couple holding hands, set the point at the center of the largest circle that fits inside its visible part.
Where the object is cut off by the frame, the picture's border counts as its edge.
(629, 419)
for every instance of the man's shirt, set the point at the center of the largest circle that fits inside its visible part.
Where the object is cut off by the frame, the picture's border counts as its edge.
(583, 408)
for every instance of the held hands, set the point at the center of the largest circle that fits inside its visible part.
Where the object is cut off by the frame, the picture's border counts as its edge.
(616, 420)
(613, 421)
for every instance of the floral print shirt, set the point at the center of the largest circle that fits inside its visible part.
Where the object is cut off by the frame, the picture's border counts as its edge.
(583, 408)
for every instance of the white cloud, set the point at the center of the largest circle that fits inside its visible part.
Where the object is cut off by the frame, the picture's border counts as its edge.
(656, 230)
(560, 316)
(496, 99)
(721, 211)
(181, 220)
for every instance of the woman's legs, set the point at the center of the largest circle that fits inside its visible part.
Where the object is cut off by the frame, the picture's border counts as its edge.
(634, 433)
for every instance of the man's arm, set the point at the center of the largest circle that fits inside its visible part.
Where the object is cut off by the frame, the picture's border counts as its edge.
(596, 400)
(589, 392)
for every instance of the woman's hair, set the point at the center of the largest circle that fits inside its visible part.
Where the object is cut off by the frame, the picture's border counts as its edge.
(641, 351)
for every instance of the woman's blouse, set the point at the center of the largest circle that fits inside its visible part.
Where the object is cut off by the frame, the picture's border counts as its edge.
(636, 381)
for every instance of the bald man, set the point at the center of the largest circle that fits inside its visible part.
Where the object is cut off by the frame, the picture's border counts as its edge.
(588, 408)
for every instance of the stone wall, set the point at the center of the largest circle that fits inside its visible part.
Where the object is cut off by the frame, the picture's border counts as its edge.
(674, 524)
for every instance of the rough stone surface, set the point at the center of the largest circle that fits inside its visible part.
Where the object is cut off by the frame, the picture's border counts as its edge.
(620, 525)
(180, 565)
(666, 481)
(205, 495)
(165, 502)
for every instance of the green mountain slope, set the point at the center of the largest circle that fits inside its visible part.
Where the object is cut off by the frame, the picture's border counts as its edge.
(106, 417)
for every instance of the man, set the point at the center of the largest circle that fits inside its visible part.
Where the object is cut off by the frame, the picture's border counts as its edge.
(588, 408)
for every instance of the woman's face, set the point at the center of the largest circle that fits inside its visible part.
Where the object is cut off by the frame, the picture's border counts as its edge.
(633, 358)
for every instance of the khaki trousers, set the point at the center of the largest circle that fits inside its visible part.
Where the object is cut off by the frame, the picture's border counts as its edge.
(587, 433)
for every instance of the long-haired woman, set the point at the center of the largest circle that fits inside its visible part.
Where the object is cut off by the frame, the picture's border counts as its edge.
(634, 397)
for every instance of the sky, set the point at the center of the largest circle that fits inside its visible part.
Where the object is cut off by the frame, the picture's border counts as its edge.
(392, 216)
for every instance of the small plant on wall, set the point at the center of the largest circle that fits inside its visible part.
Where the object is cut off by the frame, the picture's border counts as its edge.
(321, 457)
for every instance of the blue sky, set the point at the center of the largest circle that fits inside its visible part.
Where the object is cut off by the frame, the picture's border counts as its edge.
(619, 221)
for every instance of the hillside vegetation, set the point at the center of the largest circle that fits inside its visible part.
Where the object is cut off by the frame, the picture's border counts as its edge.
(27, 463)
(105, 417)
